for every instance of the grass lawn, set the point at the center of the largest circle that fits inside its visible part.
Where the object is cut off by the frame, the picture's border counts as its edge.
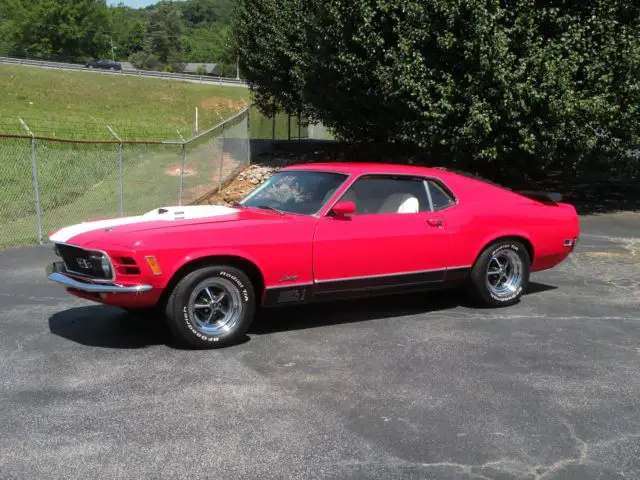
(78, 105)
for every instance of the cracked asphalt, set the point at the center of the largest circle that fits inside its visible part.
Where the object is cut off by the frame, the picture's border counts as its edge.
(417, 386)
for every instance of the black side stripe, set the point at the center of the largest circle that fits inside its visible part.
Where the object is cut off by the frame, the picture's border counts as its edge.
(364, 286)
(379, 282)
(460, 273)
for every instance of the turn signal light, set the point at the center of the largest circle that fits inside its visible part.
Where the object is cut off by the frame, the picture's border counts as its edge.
(153, 265)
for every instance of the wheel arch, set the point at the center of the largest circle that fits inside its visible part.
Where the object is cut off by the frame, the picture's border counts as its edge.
(247, 266)
(517, 237)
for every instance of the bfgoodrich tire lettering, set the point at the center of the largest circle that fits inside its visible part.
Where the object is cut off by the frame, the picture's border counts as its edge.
(211, 307)
(500, 276)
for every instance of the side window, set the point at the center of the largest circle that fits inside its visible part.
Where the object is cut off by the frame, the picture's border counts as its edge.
(377, 194)
(439, 196)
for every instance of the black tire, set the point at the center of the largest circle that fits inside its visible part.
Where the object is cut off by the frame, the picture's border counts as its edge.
(186, 321)
(481, 284)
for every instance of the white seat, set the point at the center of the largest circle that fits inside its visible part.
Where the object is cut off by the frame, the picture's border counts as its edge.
(400, 203)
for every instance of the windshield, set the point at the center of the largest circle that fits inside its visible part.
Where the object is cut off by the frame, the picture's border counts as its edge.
(302, 192)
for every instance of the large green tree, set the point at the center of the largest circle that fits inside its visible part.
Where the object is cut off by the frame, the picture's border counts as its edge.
(526, 84)
(164, 32)
(74, 28)
(271, 41)
(127, 30)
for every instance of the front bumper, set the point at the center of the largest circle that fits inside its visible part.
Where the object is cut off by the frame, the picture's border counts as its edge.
(56, 273)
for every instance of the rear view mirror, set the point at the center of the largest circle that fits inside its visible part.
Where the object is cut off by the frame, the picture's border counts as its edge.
(342, 210)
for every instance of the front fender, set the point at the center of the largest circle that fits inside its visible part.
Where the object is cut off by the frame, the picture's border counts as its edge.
(214, 252)
(200, 254)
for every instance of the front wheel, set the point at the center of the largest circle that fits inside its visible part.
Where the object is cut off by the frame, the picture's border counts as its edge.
(500, 276)
(211, 307)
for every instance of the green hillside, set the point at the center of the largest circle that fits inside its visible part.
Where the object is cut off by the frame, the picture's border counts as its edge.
(78, 105)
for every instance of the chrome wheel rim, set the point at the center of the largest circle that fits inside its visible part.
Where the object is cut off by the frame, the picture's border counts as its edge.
(504, 273)
(215, 306)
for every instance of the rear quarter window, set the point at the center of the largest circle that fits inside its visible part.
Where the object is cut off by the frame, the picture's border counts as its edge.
(440, 195)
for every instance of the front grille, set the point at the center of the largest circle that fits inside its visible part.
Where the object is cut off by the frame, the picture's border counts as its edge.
(82, 262)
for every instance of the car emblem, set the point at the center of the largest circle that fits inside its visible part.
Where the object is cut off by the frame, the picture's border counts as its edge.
(289, 278)
(82, 263)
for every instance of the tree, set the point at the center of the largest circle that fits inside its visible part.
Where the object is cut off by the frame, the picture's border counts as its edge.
(10, 12)
(199, 13)
(127, 30)
(527, 84)
(75, 28)
(164, 32)
(270, 40)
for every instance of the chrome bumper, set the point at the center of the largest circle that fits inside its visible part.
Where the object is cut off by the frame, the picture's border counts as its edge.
(55, 273)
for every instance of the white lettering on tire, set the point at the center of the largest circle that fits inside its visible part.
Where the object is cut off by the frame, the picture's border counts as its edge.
(236, 280)
(206, 338)
(515, 294)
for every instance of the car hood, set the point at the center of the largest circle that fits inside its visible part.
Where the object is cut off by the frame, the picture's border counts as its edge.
(113, 229)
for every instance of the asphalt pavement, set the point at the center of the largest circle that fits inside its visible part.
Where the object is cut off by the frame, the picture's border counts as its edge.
(414, 386)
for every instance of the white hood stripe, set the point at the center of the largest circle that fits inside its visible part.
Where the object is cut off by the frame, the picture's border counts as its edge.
(169, 214)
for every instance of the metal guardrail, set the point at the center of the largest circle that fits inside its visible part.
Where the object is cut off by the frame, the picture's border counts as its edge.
(135, 73)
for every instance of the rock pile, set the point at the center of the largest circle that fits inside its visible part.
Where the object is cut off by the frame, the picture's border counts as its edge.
(256, 174)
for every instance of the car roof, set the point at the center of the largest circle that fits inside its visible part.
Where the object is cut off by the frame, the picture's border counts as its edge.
(368, 167)
(465, 186)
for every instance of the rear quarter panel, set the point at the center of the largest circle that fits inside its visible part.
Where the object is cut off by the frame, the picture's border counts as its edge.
(485, 213)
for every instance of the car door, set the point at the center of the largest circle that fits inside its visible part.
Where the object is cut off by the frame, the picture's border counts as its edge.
(394, 238)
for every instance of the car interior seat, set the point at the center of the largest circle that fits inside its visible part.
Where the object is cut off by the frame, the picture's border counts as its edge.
(400, 203)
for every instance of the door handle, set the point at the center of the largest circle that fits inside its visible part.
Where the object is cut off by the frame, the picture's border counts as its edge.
(435, 222)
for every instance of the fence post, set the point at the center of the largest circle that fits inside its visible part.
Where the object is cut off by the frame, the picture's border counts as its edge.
(299, 127)
(249, 136)
(221, 158)
(182, 160)
(34, 174)
(183, 155)
(273, 122)
(288, 126)
(119, 170)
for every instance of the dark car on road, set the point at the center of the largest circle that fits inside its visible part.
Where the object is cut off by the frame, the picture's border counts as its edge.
(104, 64)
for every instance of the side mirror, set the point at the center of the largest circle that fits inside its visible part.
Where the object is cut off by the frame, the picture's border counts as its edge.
(342, 210)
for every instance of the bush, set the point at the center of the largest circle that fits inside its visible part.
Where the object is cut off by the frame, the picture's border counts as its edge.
(145, 61)
(526, 86)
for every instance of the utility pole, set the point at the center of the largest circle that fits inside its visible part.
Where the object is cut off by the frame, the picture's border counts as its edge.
(237, 67)
(113, 56)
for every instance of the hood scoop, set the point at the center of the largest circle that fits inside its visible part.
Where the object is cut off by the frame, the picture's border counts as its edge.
(189, 212)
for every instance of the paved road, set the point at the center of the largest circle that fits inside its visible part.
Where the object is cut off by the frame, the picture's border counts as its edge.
(418, 386)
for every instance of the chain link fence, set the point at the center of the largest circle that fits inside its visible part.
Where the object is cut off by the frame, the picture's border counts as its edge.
(48, 183)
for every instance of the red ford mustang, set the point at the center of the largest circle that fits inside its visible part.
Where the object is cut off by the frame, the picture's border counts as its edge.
(316, 232)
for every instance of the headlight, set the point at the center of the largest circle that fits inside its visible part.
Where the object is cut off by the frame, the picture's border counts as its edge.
(106, 266)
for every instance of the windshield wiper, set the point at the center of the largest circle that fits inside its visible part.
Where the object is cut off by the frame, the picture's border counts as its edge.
(268, 207)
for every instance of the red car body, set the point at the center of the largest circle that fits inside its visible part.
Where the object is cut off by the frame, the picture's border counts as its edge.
(296, 258)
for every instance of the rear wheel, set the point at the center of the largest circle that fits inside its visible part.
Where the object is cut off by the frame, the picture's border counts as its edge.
(211, 307)
(501, 274)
